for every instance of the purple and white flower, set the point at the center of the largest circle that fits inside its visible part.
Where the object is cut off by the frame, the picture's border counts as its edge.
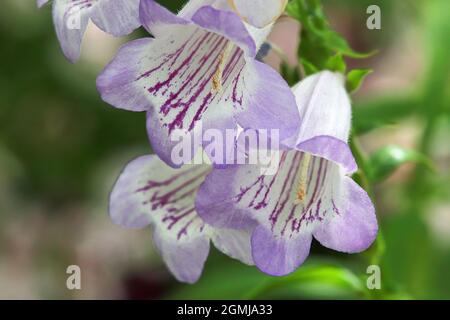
(200, 66)
(148, 192)
(311, 194)
(71, 17)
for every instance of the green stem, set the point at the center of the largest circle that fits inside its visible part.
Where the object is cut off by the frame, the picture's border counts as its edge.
(374, 255)
(363, 173)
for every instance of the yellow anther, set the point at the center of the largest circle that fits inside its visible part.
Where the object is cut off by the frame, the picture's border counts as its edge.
(302, 184)
(223, 57)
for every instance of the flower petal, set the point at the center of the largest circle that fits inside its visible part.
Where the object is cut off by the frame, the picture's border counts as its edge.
(215, 202)
(227, 24)
(324, 106)
(118, 17)
(40, 3)
(279, 256)
(150, 191)
(116, 83)
(259, 13)
(325, 110)
(192, 6)
(71, 19)
(268, 101)
(332, 149)
(185, 259)
(195, 72)
(156, 19)
(174, 78)
(355, 228)
(234, 243)
(272, 200)
(125, 205)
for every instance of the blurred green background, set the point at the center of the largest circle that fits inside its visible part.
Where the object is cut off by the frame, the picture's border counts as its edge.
(61, 148)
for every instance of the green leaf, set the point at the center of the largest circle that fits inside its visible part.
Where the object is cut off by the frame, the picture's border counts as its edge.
(355, 78)
(336, 63)
(313, 281)
(309, 67)
(336, 43)
(373, 114)
(318, 40)
(386, 160)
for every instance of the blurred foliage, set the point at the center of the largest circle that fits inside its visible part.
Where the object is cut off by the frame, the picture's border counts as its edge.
(316, 279)
(386, 160)
(355, 79)
(320, 47)
(55, 132)
(51, 116)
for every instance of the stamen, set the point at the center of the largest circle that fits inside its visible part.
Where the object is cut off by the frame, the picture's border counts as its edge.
(302, 184)
(217, 78)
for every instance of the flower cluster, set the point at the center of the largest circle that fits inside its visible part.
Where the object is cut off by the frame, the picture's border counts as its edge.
(199, 71)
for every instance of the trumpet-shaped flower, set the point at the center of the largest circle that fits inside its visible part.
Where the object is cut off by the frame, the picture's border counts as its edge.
(71, 17)
(200, 67)
(311, 193)
(148, 192)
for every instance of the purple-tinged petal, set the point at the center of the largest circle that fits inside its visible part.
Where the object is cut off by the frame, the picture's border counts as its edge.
(192, 73)
(268, 101)
(227, 24)
(71, 19)
(150, 191)
(219, 120)
(156, 19)
(355, 228)
(289, 205)
(185, 259)
(159, 21)
(117, 17)
(325, 110)
(117, 84)
(259, 13)
(125, 204)
(177, 79)
(234, 243)
(192, 7)
(215, 202)
(272, 200)
(279, 256)
(324, 106)
(331, 149)
(40, 3)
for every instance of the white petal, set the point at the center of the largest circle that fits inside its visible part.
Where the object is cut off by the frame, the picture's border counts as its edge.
(324, 106)
(234, 243)
(117, 17)
(259, 13)
(71, 19)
